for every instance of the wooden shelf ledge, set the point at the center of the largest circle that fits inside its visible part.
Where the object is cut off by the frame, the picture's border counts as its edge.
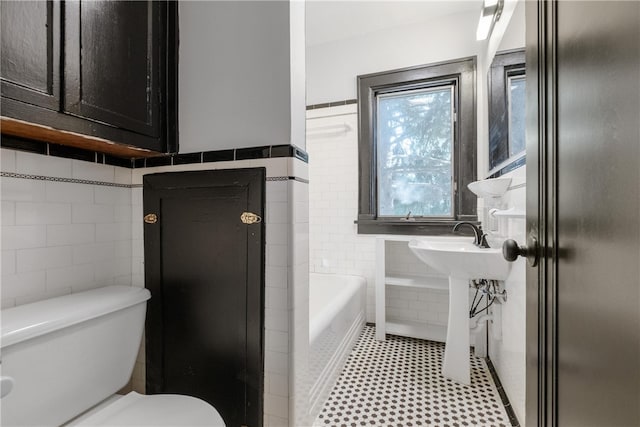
(22, 129)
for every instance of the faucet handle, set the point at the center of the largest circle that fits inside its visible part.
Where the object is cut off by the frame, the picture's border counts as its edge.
(483, 240)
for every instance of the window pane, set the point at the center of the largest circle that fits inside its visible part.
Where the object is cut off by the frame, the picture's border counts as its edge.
(415, 152)
(516, 115)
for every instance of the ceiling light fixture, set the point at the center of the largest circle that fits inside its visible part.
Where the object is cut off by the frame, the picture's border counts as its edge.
(491, 11)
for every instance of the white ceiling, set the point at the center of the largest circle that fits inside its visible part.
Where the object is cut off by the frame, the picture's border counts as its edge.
(332, 20)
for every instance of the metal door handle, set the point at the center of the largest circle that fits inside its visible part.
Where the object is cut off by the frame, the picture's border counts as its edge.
(511, 250)
(6, 385)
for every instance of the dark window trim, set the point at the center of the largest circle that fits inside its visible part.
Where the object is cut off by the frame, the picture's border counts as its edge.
(508, 63)
(463, 73)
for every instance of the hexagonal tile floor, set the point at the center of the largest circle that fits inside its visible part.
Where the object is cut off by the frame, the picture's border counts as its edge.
(398, 383)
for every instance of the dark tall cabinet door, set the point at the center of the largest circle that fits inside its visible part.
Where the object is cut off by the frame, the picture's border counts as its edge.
(204, 267)
(30, 60)
(112, 70)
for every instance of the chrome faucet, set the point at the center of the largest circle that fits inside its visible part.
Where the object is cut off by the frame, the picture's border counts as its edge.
(480, 239)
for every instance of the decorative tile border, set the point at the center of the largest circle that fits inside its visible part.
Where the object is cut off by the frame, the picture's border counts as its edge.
(263, 152)
(332, 104)
(57, 179)
(111, 184)
(287, 178)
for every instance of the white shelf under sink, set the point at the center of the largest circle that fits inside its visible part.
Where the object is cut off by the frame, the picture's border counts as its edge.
(386, 278)
(424, 282)
(405, 328)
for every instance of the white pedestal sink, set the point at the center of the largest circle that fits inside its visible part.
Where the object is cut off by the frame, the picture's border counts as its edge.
(462, 261)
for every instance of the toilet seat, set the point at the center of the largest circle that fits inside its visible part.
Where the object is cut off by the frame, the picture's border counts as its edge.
(157, 410)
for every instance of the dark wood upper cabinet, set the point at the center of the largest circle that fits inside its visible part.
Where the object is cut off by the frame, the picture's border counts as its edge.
(30, 60)
(116, 80)
(101, 68)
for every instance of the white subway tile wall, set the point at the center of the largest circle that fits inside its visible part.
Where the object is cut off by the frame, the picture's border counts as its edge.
(427, 306)
(61, 237)
(35, 164)
(94, 172)
(335, 246)
(8, 160)
(23, 190)
(299, 304)
(277, 375)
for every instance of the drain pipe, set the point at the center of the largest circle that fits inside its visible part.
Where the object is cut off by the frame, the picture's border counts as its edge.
(480, 323)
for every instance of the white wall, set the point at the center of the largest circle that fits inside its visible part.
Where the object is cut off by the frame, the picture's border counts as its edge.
(514, 34)
(507, 332)
(297, 53)
(332, 67)
(240, 70)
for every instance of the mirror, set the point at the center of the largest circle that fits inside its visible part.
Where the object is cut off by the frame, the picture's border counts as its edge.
(506, 82)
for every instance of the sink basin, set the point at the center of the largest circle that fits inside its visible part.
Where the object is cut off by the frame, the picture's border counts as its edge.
(461, 259)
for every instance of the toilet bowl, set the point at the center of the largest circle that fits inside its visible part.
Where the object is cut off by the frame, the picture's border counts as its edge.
(159, 410)
(63, 360)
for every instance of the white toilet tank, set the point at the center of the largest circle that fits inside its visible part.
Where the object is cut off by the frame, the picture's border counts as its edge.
(67, 354)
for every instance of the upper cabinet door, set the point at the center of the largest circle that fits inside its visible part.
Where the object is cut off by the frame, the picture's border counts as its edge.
(113, 57)
(30, 60)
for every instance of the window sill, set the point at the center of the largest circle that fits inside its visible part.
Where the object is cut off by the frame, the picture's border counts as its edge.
(416, 227)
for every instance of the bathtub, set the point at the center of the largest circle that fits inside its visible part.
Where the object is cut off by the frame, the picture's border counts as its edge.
(336, 318)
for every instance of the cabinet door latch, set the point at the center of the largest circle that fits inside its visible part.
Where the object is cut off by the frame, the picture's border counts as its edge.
(250, 218)
(151, 218)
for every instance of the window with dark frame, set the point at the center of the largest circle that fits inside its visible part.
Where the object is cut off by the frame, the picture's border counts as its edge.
(417, 148)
